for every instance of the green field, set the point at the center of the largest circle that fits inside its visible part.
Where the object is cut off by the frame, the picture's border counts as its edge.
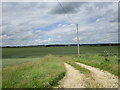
(41, 67)
(42, 73)
(34, 52)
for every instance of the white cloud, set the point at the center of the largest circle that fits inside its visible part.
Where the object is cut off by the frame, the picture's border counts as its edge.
(49, 39)
(97, 23)
(75, 39)
(97, 20)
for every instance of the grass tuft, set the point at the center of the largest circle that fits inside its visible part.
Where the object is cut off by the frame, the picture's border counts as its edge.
(72, 63)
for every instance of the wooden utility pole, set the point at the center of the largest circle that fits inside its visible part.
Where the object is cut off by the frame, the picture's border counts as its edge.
(78, 41)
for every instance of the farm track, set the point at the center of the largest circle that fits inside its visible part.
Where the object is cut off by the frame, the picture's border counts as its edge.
(98, 78)
(105, 79)
(73, 78)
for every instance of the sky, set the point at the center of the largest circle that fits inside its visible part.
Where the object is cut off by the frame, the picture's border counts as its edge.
(40, 23)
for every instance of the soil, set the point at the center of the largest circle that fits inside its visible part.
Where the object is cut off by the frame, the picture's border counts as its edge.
(73, 78)
(98, 79)
(104, 78)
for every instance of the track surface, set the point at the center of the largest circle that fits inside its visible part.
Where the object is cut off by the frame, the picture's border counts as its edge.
(75, 79)
(106, 79)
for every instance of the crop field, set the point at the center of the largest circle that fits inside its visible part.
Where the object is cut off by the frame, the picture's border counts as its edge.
(24, 52)
(42, 67)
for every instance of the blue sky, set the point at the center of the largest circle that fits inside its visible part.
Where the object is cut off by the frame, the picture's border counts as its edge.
(49, 27)
(33, 23)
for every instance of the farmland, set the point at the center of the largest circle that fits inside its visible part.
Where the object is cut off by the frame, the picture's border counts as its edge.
(42, 67)
(24, 52)
(43, 73)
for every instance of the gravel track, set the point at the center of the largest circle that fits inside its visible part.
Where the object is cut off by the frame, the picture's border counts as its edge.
(73, 78)
(98, 78)
(105, 79)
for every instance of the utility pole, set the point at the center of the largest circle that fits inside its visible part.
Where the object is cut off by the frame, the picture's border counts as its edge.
(78, 41)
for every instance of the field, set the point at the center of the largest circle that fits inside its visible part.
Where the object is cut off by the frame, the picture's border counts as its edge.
(42, 73)
(34, 52)
(42, 67)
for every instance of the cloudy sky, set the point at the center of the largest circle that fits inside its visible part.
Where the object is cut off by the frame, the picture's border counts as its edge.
(33, 23)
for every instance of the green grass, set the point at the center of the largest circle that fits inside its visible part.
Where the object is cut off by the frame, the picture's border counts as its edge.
(15, 61)
(0, 78)
(43, 73)
(72, 63)
(109, 63)
(34, 52)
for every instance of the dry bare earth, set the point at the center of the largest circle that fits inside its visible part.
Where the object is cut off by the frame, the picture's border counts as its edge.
(73, 78)
(98, 78)
(104, 78)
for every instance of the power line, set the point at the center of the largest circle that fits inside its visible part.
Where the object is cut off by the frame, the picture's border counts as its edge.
(76, 26)
(65, 11)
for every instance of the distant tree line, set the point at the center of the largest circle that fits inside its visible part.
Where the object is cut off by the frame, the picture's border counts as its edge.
(57, 45)
(65, 45)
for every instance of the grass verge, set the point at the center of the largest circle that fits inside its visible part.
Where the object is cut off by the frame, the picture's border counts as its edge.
(44, 73)
(72, 63)
(109, 63)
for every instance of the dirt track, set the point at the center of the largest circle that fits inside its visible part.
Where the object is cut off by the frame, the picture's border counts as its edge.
(75, 79)
(105, 79)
